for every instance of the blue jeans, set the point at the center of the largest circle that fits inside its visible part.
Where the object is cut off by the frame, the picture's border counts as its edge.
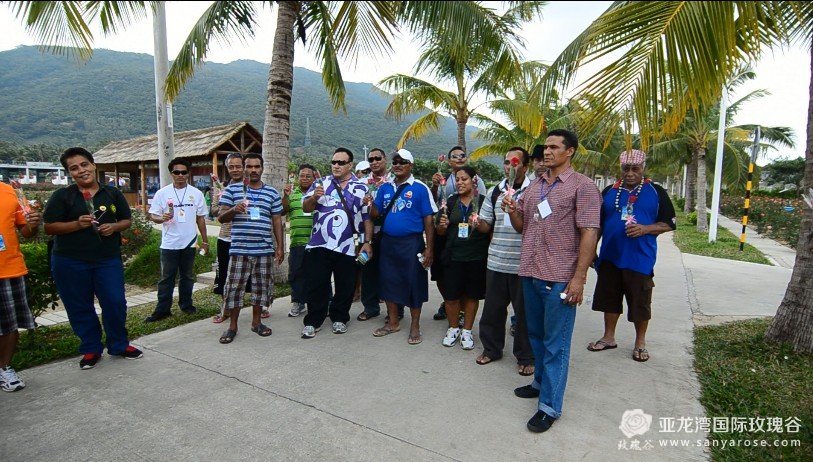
(550, 328)
(77, 282)
(172, 261)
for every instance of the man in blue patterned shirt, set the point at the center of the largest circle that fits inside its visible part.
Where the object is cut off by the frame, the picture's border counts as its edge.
(339, 214)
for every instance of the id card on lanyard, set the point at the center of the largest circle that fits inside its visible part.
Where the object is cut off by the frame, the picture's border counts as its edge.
(544, 209)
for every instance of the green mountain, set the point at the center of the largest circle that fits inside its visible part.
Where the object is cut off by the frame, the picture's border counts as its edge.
(52, 99)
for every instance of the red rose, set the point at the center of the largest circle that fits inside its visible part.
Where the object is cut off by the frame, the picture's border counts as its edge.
(515, 161)
(86, 195)
(442, 158)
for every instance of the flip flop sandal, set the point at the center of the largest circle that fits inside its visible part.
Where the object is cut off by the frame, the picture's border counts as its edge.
(523, 370)
(605, 345)
(483, 360)
(228, 336)
(265, 314)
(218, 318)
(415, 340)
(384, 331)
(638, 353)
(262, 330)
(363, 316)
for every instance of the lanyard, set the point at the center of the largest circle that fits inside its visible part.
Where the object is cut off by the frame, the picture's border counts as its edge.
(544, 195)
(180, 201)
(465, 210)
(253, 197)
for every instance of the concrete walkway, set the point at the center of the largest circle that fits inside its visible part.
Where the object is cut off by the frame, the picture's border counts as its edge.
(778, 254)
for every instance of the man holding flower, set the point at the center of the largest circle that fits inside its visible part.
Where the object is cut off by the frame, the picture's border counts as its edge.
(180, 207)
(87, 219)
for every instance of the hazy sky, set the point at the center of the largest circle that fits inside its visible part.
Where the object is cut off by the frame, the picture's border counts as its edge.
(784, 73)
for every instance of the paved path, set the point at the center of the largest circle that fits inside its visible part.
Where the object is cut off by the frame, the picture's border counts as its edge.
(778, 254)
(355, 397)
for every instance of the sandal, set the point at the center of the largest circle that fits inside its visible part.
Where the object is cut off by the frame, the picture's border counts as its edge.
(383, 331)
(262, 330)
(265, 314)
(228, 336)
(218, 318)
(364, 316)
(415, 339)
(483, 360)
(640, 355)
(604, 346)
(525, 370)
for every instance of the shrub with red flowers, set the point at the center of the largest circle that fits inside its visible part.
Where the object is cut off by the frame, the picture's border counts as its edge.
(136, 236)
(775, 217)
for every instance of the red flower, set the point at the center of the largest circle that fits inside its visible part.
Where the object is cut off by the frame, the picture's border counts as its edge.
(214, 178)
(515, 161)
(86, 195)
(442, 158)
(245, 180)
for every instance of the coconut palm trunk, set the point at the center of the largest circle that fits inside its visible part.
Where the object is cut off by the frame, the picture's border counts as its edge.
(691, 185)
(702, 218)
(793, 322)
(461, 133)
(278, 106)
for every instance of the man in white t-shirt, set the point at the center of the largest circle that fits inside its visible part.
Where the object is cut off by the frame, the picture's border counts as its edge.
(180, 207)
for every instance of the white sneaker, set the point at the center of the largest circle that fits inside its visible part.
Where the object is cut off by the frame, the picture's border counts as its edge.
(467, 340)
(339, 328)
(308, 332)
(9, 380)
(297, 309)
(451, 336)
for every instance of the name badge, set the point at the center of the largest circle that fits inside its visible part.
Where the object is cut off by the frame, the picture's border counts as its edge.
(254, 213)
(463, 230)
(2, 243)
(544, 209)
(181, 215)
(625, 214)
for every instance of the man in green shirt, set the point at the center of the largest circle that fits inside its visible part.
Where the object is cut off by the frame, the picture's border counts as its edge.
(301, 224)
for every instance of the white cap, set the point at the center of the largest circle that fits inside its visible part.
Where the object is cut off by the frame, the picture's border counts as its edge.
(406, 155)
(363, 165)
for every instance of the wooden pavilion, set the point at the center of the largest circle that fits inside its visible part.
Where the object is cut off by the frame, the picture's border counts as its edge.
(133, 164)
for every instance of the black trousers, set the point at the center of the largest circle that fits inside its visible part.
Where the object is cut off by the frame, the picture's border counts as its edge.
(502, 289)
(320, 264)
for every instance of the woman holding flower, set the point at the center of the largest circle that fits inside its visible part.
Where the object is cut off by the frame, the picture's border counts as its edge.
(463, 258)
(87, 219)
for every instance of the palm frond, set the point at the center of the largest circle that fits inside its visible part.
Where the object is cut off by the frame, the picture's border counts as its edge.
(59, 27)
(411, 95)
(423, 125)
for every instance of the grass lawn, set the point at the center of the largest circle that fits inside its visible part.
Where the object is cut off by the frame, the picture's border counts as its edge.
(727, 246)
(743, 376)
(145, 269)
(51, 343)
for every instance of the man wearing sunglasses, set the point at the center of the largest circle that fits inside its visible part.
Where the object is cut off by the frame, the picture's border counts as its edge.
(180, 208)
(337, 203)
(456, 159)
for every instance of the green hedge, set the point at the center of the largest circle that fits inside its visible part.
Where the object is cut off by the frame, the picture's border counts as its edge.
(41, 288)
(145, 269)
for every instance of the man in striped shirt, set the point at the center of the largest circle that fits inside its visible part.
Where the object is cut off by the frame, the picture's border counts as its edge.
(255, 211)
(558, 217)
(502, 281)
(301, 227)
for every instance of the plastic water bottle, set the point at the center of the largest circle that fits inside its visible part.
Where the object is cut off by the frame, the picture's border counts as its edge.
(363, 257)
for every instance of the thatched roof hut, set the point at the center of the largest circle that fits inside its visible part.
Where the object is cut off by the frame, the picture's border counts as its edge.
(133, 164)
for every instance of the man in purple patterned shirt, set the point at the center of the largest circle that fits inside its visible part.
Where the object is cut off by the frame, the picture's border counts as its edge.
(338, 215)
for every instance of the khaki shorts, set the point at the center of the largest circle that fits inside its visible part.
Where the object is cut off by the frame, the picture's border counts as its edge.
(614, 284)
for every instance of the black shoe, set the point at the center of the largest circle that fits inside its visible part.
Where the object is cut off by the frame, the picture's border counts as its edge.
(441, 314)
(540, 422)
(155, 317)
(89, 360)
(526, 392)
(190, 310)
(130, 352)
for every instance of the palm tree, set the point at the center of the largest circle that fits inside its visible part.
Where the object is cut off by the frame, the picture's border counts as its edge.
(657, 49)
(479, 68)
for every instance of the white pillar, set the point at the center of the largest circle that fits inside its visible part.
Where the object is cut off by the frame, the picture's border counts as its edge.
(163, 110)
(718, 170)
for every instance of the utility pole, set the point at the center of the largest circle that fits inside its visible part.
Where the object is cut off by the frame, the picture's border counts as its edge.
(718, 169)
(308, 138)
(163, 110)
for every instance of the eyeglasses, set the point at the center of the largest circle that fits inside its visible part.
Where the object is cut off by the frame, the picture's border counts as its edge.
(180, 172)
(374, 158)
(341, 163)
(400, 162)
(457, 156)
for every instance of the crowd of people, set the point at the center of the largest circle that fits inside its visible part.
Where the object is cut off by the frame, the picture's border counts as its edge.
(526, 242)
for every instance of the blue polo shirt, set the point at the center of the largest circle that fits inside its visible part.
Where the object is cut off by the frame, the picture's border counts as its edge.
(637, 254)
(406, 214)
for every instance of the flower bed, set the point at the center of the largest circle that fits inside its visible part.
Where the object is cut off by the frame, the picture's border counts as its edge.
(774, 217)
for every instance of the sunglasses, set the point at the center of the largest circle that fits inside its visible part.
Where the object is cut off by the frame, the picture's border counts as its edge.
(180, 172)
(374, 158)
(366, 171)
(400, 162)
(341, 163)
(457, 156)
